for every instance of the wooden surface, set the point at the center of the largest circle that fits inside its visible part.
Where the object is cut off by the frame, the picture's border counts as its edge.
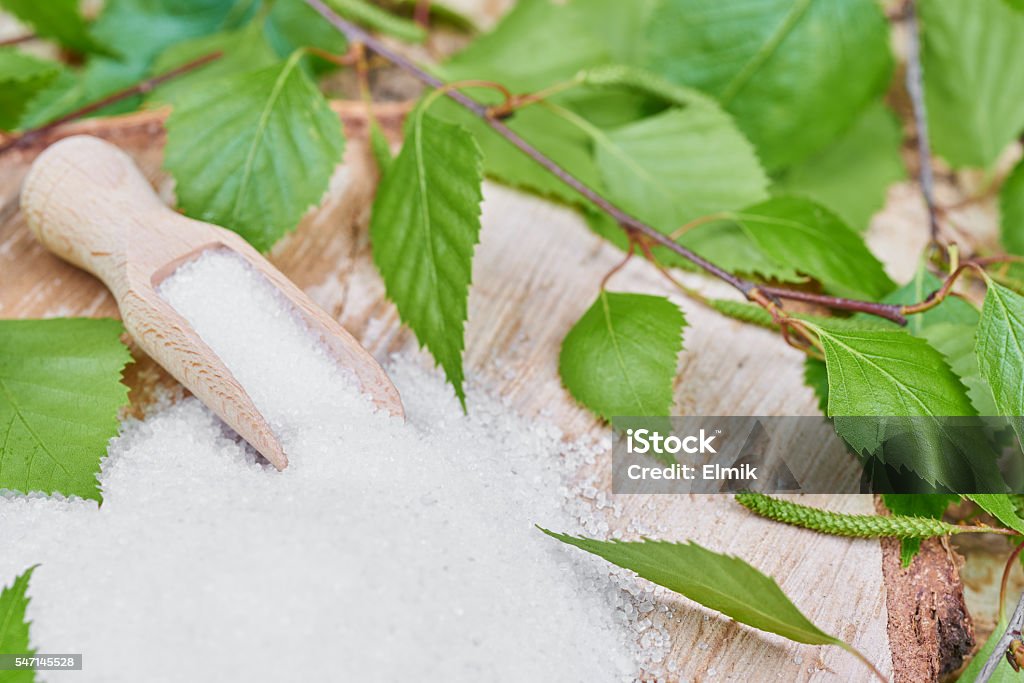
(536, 270)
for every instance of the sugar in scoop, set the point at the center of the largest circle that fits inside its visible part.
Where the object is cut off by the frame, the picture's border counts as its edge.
(270, 350)
(87, 202)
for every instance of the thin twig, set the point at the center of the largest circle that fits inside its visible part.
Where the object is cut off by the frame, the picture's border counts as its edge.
(1012, 560)
(421, 13)
(137, 89)
(940, 294)
(1013, 629)
(653, 259)
(347, 59)
(630, 224)
(17, 40)
(516, 102)
(888, 311)
(915, 88)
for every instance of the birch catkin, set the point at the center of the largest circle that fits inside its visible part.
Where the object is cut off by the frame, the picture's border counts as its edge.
(860, 526)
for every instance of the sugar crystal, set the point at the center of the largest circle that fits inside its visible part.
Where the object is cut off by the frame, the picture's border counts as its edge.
(385, 551)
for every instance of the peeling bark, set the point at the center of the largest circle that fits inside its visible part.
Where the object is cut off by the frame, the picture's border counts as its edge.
(930, 630)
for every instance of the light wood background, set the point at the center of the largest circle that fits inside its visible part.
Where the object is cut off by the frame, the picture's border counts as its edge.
(536, 270)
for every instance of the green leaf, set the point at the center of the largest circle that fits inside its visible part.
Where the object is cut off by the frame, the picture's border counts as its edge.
(910, 547)
(424, 227)
(1000, 350)
(726, 245)
(253, 152)
(966, 47)
(882, 373)
(950, 329)
(543, 128)
(242, 51)
(816, 242)
(851, 175)
(919, 504)
(816, 377)
(619, 25)
(376, 19)
(138, 30)
(720, 582)
(60, 392)
(916, 505)
(999, 506)
(609, 107)
(679, 165)
(53, 100)
(957, 343)
(537, 44)
(56, 19)
(380, 147)
(443, 13)
(22, 77)
(641, 81)
(794, 73)
(292, 24)
(1011, 211)
(620, 357)
(14, 628)
(893, 375)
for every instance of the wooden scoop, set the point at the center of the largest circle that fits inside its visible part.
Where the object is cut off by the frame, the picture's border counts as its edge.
(88, 203)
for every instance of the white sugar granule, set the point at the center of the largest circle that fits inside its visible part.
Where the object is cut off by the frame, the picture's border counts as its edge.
(251, 327)
(385, 552)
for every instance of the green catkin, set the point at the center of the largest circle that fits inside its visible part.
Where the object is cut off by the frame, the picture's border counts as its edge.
(743, 311)
(756, 315)
(840, 524)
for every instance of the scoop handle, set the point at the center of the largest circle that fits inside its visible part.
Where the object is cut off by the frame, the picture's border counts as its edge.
(88, 203)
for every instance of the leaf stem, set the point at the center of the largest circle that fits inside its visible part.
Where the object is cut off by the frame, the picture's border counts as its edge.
(630, 224)
(812, 341)
(137, 89)
(697, 222)
(619, 266)
(1006, 580)
(688, 291)
(448, 88)
(863, 658)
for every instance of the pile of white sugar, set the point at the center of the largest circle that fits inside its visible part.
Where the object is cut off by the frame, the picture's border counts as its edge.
(385, 552)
